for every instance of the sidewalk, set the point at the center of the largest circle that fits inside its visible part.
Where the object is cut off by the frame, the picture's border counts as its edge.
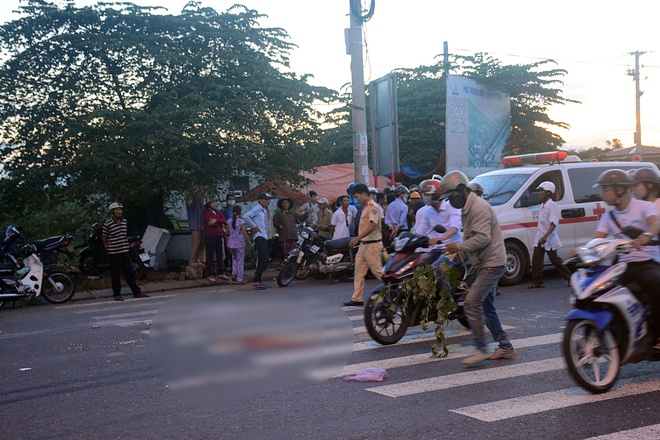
(168, 285)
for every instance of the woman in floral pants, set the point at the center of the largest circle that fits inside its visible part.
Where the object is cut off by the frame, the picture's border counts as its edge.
(236, 244)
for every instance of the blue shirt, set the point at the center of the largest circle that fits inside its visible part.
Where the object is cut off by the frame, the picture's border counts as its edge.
(396, 214)
(258, 217)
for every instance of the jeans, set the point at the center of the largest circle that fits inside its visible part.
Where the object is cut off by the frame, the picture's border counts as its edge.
(480, 306)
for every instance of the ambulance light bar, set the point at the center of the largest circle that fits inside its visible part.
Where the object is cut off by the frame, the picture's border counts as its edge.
(535, 158)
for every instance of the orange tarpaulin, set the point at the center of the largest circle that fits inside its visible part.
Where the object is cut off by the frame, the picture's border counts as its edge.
(330, 181)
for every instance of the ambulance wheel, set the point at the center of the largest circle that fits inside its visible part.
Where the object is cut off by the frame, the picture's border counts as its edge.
(515, 266)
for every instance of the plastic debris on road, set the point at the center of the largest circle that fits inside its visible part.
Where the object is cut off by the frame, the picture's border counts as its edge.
(369, 375)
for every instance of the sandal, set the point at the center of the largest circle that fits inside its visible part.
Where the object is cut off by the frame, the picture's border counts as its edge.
(536, 286)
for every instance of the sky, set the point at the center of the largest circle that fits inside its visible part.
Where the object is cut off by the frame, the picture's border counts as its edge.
(592, 40)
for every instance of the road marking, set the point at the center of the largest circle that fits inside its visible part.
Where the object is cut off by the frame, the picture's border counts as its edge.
(645, 432)
(456, 351)
(125, 315)
(123, 306)
(537, 403)
(104, 302)
(468, 378)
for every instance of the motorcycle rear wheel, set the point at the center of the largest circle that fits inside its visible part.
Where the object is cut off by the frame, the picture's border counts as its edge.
(385, 326)
(592, 359)
(87, 263)
(58, 288)
(140, 269)
(287, 273)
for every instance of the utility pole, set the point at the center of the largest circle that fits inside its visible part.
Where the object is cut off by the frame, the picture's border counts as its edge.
(359, 114)
(638, 95)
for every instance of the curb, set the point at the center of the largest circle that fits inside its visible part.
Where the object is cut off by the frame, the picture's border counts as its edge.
(164, 286)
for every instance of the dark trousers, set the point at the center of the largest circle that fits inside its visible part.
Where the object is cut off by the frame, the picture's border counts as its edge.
(537, 265)
(214, 248)
(122, 263)
(263, 255)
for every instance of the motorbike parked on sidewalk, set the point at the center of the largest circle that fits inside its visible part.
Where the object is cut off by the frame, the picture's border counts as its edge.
(608, 326)
(55, 250)
(385, 319)
(320, 256)
(27, 279)
(93, 257)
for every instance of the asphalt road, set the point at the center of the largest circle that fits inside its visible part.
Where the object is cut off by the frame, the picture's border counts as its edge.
(96, 370)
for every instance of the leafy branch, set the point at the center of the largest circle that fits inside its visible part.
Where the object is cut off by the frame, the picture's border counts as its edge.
(422, 291)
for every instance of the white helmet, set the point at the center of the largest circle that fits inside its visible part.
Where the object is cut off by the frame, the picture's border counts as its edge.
(115, 205)
(547, 186)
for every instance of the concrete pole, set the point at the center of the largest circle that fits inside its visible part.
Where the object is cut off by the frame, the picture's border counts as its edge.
(359, 114)
(638, 124)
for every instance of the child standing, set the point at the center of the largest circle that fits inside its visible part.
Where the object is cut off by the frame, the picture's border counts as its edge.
(236, 243)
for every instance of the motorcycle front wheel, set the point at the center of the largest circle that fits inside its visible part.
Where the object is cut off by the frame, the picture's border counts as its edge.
(287, 273)
(303, 271)
(592, 358)
(385, 321)
(58, 288)
(87, 263)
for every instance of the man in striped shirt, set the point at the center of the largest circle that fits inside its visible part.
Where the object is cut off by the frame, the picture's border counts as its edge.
(116, 244)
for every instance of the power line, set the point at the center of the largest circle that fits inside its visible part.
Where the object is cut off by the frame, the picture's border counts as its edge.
(598, 63)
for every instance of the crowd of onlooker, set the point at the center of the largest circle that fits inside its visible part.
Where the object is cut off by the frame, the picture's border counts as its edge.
(222, 229)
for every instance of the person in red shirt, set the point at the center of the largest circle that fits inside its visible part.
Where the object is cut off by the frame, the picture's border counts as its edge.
(214, 229)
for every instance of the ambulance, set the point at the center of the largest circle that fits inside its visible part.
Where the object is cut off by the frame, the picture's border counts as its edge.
(513, 195)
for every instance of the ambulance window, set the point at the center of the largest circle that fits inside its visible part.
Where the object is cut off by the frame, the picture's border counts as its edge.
(528, 197)
(582, 182)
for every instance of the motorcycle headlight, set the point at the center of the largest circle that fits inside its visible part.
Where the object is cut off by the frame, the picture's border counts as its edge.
(592, 255)
(406, 267)
(304, 234)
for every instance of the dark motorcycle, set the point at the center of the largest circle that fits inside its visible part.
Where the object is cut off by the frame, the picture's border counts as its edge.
(94, 259)
(55, 250)
(385, 320)
(318, 255)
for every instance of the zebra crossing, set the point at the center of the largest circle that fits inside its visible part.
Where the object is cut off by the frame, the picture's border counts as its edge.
(642, 382)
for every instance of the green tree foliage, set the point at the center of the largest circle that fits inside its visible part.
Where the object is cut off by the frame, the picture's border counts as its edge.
(598, 153)
(114, 101)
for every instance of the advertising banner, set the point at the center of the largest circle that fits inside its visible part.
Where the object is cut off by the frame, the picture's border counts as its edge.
(478, 125)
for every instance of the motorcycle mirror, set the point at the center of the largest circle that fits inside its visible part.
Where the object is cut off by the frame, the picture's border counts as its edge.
(439, 229)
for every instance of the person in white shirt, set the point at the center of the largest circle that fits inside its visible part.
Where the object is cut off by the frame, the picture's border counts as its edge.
(547, 239)
(342, 220)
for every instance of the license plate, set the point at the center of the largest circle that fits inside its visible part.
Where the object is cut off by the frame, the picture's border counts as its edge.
(145, 257)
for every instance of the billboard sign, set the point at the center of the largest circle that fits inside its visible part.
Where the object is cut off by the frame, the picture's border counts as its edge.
(478, 125)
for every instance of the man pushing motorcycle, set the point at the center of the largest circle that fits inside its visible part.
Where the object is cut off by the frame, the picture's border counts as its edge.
(482, 240)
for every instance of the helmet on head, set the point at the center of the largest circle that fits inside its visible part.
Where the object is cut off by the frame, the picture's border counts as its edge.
(399, 190)
(547, 186)
(476, 188)
(350, 188)
(413, 187)
(452, 182)
(12, 231)
(431, 187)
(613, 177)
(115, 205)
(645, 175)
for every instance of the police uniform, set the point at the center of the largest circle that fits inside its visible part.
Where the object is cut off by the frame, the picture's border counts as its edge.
(370, 252)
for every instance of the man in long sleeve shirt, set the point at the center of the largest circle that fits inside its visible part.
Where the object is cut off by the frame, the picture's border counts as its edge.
(260, 219)
(397, 212)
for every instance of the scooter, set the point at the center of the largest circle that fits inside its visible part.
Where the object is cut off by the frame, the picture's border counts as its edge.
(608, 326)
(28, 279)
(94, 259)
(386, 318)
(320, 256)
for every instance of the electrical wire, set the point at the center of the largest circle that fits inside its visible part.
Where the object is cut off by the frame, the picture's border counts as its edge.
(359, 12)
